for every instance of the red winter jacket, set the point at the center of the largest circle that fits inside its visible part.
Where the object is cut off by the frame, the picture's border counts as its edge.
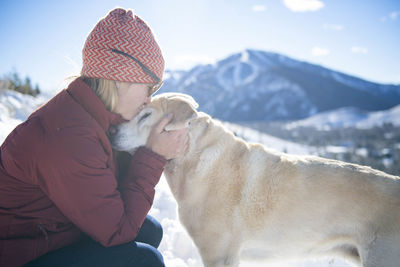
(58, 177)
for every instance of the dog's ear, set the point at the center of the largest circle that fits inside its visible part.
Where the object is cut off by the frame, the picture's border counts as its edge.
(182, 106)
(144, 117)
(180, 124)
(183, 115)
(179, 96)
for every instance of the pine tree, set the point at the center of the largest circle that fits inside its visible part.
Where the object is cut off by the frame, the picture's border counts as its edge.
(16, 84)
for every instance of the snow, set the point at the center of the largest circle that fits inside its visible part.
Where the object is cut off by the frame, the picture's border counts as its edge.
(337, 149)
(363, 152)
(190, 81)
(244, 56)
(177, 247)
(349, 117)
(236, 71)
(14, 108)
(6, 124)
(251, 135)
(381, 117)
(362, 84)
(358, 83)
(387, 162)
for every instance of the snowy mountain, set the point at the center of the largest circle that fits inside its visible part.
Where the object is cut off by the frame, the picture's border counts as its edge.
(350, 117)
(263, 86)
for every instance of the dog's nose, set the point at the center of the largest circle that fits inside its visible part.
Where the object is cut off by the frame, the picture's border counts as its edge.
(112, 132)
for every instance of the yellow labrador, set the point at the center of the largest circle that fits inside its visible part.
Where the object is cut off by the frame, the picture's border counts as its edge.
(243, 200)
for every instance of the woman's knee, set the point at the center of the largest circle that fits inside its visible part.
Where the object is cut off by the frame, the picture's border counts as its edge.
(151, 232)
(149, 256)
(157, 234)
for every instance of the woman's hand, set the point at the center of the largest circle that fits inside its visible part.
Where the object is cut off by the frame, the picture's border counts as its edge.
(170, 145)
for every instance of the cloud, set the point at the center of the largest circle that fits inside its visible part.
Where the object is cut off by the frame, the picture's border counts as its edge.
(333, 27)
(394, 15)
(258, 8)
(359, 50)
(319, 51)
(303, 5)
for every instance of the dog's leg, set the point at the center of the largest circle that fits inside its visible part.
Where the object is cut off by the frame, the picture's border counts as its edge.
(232, 258)
(228, 261)
(222, 260)
(217, 254)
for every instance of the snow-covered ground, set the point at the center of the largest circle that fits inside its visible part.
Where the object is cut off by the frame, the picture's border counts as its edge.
(177, 247)
(15, 108)
(350, 117)
(269, 141)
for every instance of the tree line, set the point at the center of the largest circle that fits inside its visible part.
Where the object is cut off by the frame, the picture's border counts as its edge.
(14, 82)
(380, 145)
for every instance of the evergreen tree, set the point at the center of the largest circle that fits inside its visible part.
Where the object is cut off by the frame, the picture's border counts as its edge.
(15, 83)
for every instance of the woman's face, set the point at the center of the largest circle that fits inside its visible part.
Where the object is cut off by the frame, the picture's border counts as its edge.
(132, 97)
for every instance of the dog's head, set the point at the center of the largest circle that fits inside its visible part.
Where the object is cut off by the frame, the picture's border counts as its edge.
(130, 135)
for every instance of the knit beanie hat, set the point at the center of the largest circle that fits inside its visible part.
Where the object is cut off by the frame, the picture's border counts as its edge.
(122, 47)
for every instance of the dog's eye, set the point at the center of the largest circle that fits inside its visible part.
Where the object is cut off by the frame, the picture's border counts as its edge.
(147, 114)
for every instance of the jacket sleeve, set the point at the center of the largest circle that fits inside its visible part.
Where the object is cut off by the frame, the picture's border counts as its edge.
(75, 175)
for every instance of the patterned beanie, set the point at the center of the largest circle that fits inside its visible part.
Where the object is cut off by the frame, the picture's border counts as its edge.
(122, 47)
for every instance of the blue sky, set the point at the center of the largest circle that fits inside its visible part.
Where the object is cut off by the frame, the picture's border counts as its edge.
(43, 39)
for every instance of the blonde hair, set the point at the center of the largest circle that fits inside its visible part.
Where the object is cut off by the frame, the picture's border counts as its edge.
(105, 89)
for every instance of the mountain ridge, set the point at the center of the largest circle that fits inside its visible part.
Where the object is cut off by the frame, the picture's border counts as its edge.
(256, 85)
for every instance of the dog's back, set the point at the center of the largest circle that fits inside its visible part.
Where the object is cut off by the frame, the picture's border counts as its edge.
(272, 205)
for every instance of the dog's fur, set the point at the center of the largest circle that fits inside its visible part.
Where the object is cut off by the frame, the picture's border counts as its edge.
(240, 199)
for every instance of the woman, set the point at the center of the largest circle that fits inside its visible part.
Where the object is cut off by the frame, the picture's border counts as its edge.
(64, 197)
